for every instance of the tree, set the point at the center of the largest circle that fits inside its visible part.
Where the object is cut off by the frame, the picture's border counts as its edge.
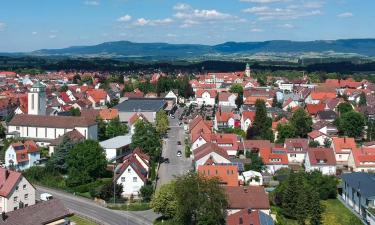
(261, 128)
(86, 162)
(115, 128)
(302, 122)
(236, 88)
(313, 144)
(199, 200)
(75, 112)
(164, 201)
(106, 191)
(58, 161)
(351, 124)
(327, 143)
(285, 131)
(162, 122)
(239, 101)
(64, 88)
(256, 161)
(344, 107)
(146, 192)
(102, 127)
(276, 103)
(2, 131)
(147, 138)
(362, 99)
(316, 208)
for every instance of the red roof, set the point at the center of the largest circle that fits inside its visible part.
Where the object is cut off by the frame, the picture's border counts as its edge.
(200, 92)
(108, 114)
(316, 95)
(315, 134)
(248, 115)
(254, 197)
(321, 157)
(313, 109)
(224, 116)
(97, 94)
(132, 161)
(135, 117)
(275, 156)
(364, 157)
(8, 179)
(228, 174)
(223, 96)
(244, 217)
(208, 148)
(65, 97)
(343, 145)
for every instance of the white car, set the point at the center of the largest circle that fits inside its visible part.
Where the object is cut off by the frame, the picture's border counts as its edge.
(179, 153)
(45, 196)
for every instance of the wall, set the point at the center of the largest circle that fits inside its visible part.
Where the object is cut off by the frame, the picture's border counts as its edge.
(130, 187)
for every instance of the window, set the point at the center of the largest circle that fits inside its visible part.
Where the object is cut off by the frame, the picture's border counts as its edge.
(26, 196)
(129, 170)
(17, 128)
(122, 179)
(134, 179)
(16, 188)
(24, 186)
(15, 199)
(293, 155)
(15, 208)
(26, 205)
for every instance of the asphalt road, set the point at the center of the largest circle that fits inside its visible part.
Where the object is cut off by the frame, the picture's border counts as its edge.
(177, 165)
(89, 209)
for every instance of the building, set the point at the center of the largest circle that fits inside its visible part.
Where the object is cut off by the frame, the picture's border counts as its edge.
(37, 99)
(116, 147)
(362, 160)
(227, 99)
(247, 119)
(321, 159)
(358, 193)
(342, 148)
(224, 120)
(15, 191)
(212, 152)
(73, 137)
(43, 129)
(205, 97)
(147, 106)
(227, 173)
(249, 216)
(22, 156)
(296, 149)
(274, 159)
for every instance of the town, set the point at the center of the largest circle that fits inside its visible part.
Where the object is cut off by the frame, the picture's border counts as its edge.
(208, 148)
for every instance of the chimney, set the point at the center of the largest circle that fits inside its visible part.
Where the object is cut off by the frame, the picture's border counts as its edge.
(6, 174)
(344, 139)
(245, 190)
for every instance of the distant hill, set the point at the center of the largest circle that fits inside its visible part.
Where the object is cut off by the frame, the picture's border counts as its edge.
(126, 49)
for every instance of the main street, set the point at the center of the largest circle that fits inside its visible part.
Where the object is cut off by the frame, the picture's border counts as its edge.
(89, 209)
(177, 165)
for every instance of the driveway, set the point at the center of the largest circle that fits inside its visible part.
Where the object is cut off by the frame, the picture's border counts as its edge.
(177, 165)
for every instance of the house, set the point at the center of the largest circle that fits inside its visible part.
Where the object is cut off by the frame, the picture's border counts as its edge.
(229, 142)
(322, 159)
(108, 114)
(252, 178)
(205, 97)
(226, 173)
(362, 160)
(247, 119)
(313, 109)
(342, 148)
(255, 146)
(274, 159)
(116, 147)
(227, 99)
(98, 97)
(198, 125)
(209, 151)
(15, 191)
(318, 137)
(317, 97)
(199, 139)
(224, 120)
(52, 212)
(243, 197)
(326, 115)
(73, 137)
(22, 156)
(132, 174)
(358, 193)
(44, 129)
(249, 216)
(290, 103)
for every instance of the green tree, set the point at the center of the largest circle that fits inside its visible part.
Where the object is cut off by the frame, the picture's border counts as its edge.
(164, 201)
(302, 122)
(316, 208)
(344, 107)
(236, 88)
(75, 111)
(115, 128)
(362, 99)
(102, 127)
(289, 199)
(261, 128)
(2, 131)
(64, 88)
(239, 101)
(351, 124)
(146, 192)
(256, 161)
(106, 191)
(147, 138)
(58, 161)
(285, 131)
(86, 162)
(199, 200)
(162, 122)
(313, 144)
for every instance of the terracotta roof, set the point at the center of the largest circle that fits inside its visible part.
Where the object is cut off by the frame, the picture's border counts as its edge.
(315, 134)
(135, 117)
(313, 109)
(224, 116)
(322, 95)
(74, 136)
(321, 157)
(200, 92)
(45, 212)
(254, 197)
(340, 144)
(223, 96)
(248, 216)
(364, 157)
(208, 148)
(134, 94)
(257, 145)
(51, 121)
(8, 179)
(97, 94)
(108, 114)
(248, 115)
(274, 156)
(228, 174)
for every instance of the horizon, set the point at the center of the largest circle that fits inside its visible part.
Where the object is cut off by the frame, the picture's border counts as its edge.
(55, 25)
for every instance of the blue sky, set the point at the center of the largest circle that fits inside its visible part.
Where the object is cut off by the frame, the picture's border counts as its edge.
(27, 25)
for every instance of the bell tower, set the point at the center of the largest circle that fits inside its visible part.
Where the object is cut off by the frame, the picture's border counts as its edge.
(248, 71)
(37, 99)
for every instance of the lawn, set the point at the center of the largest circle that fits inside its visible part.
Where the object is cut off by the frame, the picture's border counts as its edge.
(335, 214)
(137, 206)
(164, 222)
(81, 221)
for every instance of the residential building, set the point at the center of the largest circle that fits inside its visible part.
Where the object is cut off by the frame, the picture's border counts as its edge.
(343, 146)
(321, 159)
(205, 97)
(212, 152)
(227, 99)
(247, 119)
(22, 156)
(116, 147)
(73, 137)
(362, 160)
(226, 173)
(249, 216)
(224, 120)
(296, 149)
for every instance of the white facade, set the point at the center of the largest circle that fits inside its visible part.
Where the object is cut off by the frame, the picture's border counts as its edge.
(198, 143)
(23, 192)
(131, 182)
(296, 158)
(206, 99)
(230, 102)
(245, 124)
(10, 155)
(37, 100)
(325, 169)
(216, 157)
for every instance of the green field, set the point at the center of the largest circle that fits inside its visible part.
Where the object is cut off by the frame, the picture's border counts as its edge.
(81, 221)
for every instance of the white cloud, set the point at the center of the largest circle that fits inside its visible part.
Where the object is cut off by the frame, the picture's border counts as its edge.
(146, 22)
(34, 33)
(257, 9)
(345, 15)
(2, 26)
(287, 26)
(257, 30)
(125, 18)
(52, 36)
(92, 3)
(182, 7)
(263, 1)
(185, 11)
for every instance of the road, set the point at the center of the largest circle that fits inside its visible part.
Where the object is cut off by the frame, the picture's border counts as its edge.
(89, 209)
(177, 165)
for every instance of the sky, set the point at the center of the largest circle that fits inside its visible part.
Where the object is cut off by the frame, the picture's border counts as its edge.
(27, 25)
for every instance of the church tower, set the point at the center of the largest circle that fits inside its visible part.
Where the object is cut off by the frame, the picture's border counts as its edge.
(247, 71)
(37, 99)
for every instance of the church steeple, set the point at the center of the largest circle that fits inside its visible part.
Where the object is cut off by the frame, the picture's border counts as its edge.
(248, 71)
(37, 99)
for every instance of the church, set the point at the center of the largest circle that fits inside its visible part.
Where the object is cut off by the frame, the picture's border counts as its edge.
(37, 126)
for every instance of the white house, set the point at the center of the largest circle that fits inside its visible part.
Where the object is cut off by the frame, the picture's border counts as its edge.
(224, 120)
(205, 97)
(199, 140)
(253, 178)
(296, 149)
(44, 129)
(322, 159)
(210, 151)
(15, 191)
(132, 174)
(318, 137)
(116, 147)
(343, 146)
(227, 99)
(247, 119)
(22, 155)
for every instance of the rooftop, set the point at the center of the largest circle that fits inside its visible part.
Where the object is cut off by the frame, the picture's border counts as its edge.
(141, 105)
(117, 142)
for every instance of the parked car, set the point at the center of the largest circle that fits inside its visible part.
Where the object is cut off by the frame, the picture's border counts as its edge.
(178, 142)
(45, 196)
(179, 153)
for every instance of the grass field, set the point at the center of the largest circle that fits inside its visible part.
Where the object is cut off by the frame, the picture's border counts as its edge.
(81, 221)
(335, 214)
(137, 206)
